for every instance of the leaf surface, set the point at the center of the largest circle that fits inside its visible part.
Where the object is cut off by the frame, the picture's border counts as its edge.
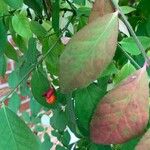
(16, 135)
(21, 25)
(129, 45)
(39, 85)
(123, 113)
(88, 53)
(14, 3)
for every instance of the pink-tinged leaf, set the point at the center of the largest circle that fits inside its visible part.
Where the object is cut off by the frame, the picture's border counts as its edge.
(88, 53)
(100, 8)
(123, 113)
(144, 143)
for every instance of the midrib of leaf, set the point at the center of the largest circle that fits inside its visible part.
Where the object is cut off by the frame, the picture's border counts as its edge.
(10, 127)
(102, 34)
(106, 28)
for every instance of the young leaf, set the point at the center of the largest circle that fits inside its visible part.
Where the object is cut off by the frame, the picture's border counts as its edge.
(14, 3)
(123, 113)
(144, 143)
(88, 53)
(100, 8)
(21, 25)
(16, 135)
(127, 9)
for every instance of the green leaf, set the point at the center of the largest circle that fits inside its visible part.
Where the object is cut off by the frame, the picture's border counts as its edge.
(55, 15)
(3, 35)
(59, 120)
(36, 5)
(30, 57)
(3, 65)
(13, 79)
(17, 135)
(111, 69)
(14, 3)
(79, 2)
(100, 147)
(127, 9)
(21, 43)
(38, 29)
(21, 25)
(58, 147)
(11, 52)
(39, 128)
(52, 59)
(85, 103)
(26, 116)
(3, 7)
(14, 102)
(39, 85)
(125, 71)
(47, 144)
(130, 145)
(144, 8)
(129, 44)
(34, 106)
(86, 55)
(83, 11)
(65, 138)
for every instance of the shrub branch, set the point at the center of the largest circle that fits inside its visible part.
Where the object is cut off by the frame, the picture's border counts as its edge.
(139, 44)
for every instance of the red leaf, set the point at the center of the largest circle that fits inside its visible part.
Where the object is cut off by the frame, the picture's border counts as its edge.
(100, 8)
(123, 113)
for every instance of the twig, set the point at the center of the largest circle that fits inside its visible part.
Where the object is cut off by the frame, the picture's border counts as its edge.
(139, 44)
(129, 57)
(36, 64)
(72, 7)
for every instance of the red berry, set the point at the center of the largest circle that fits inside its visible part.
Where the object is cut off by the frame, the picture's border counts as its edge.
(50, 96)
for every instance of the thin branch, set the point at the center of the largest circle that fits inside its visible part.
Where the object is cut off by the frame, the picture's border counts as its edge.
(129, 57)
(36, 64)
(72, 6)
(139, 44)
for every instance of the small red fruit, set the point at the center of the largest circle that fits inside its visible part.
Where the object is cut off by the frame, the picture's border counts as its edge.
(50, 96)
